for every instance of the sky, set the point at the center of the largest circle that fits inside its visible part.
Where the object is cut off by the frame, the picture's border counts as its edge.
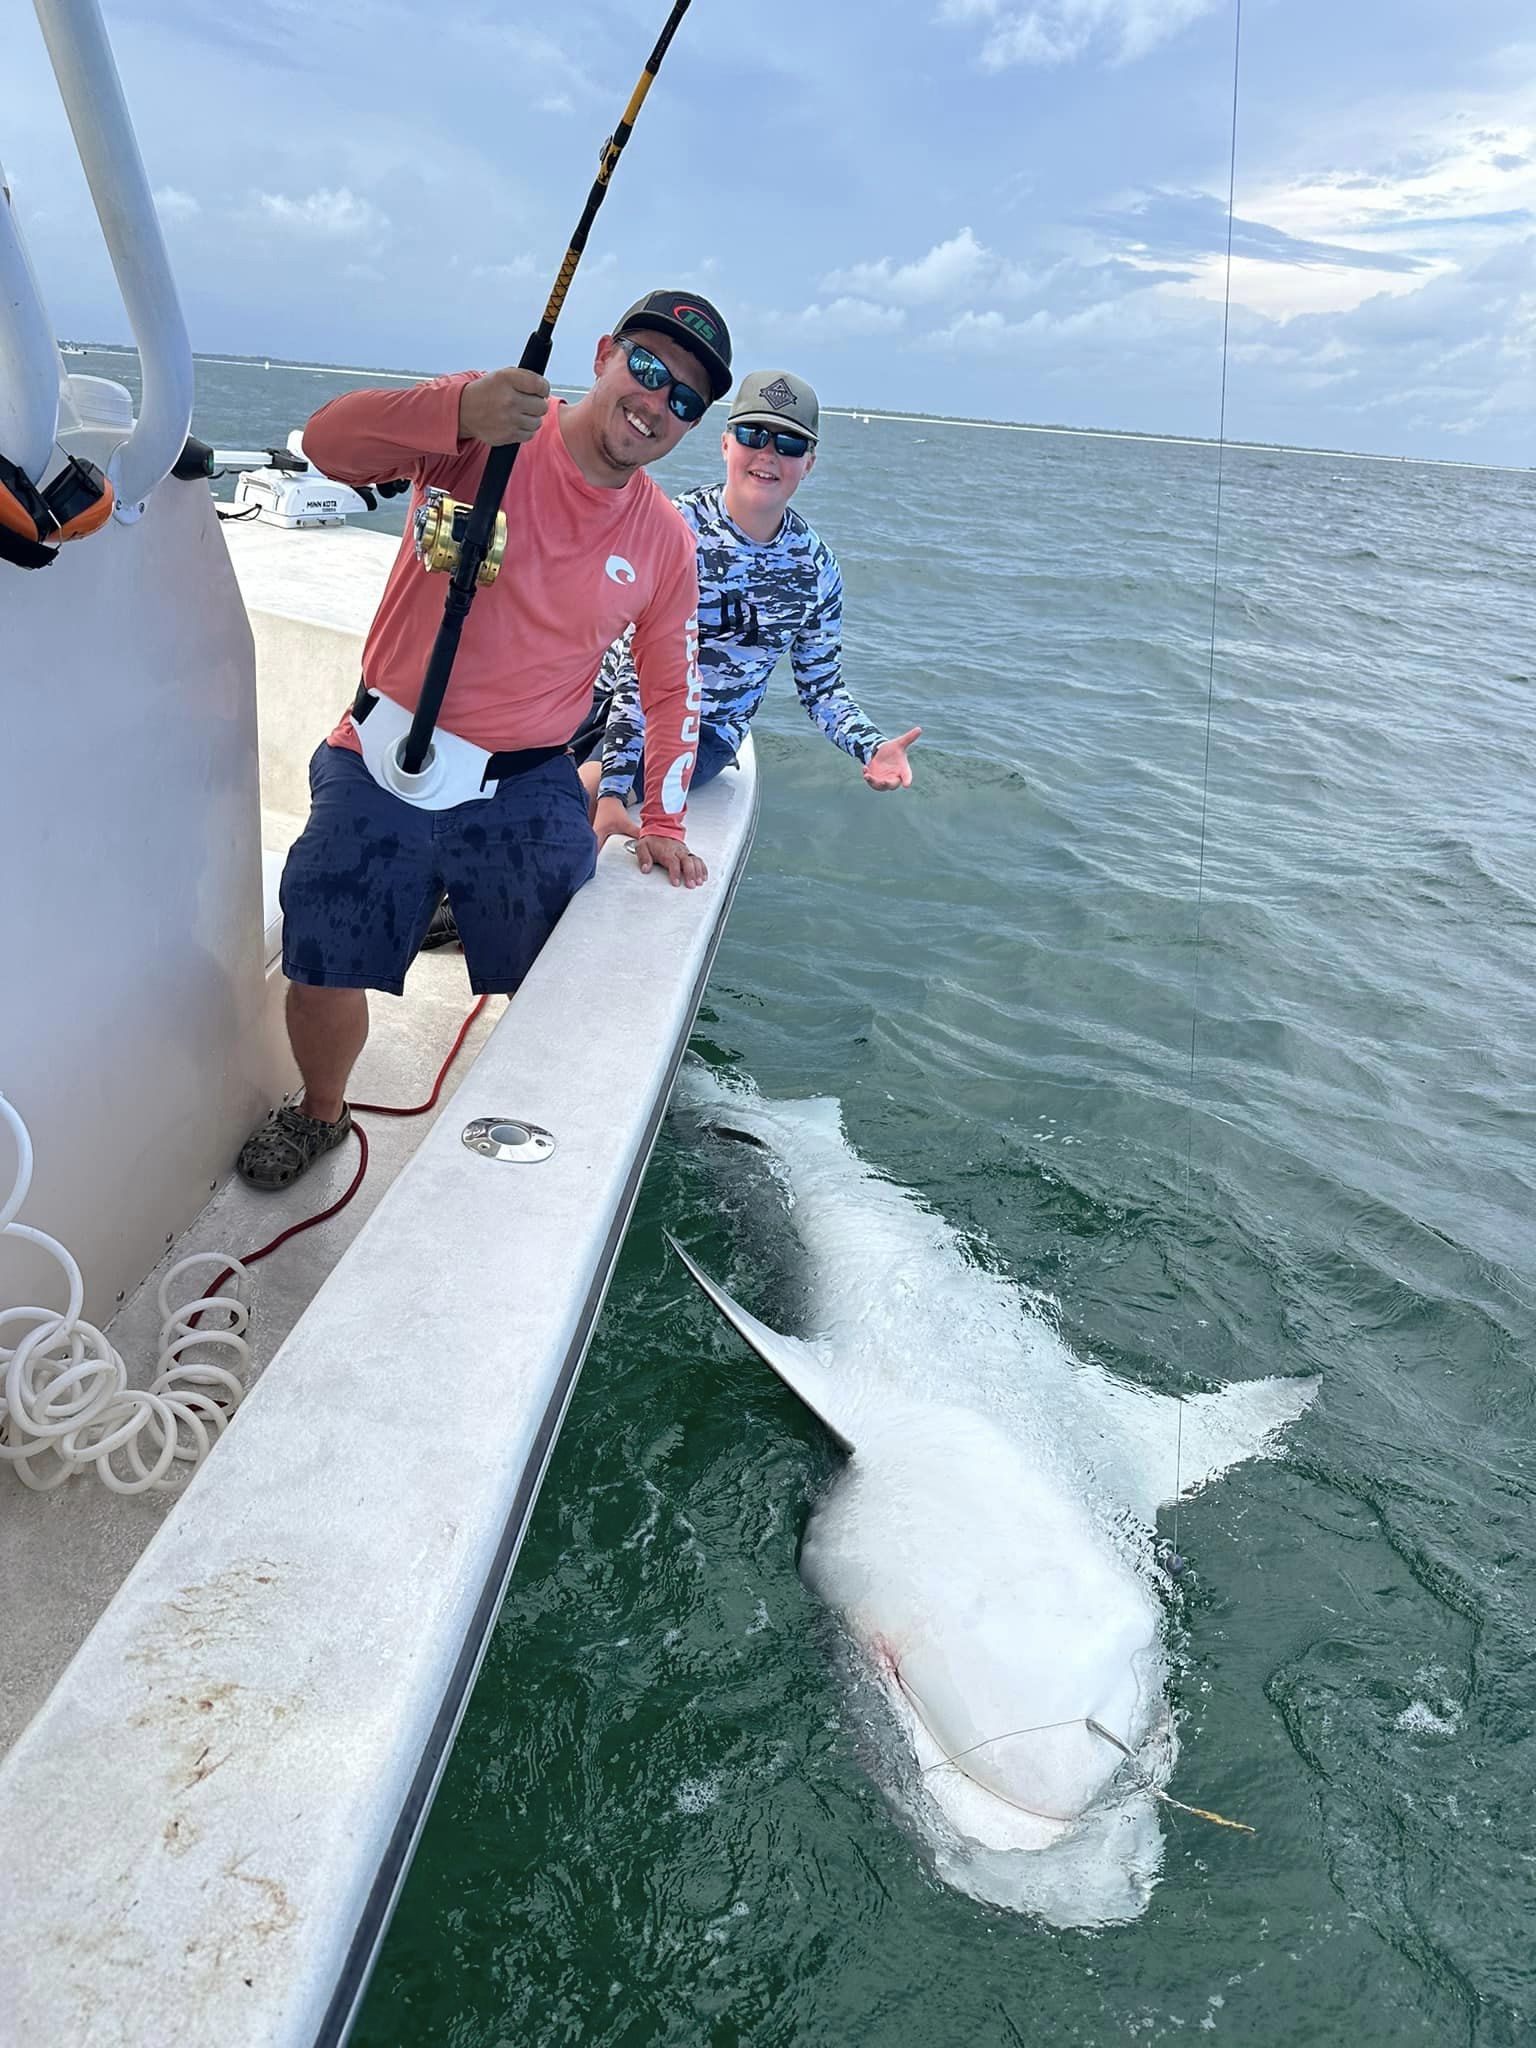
(1006, 209)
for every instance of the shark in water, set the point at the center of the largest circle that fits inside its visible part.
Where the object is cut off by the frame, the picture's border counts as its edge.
(989, 1540)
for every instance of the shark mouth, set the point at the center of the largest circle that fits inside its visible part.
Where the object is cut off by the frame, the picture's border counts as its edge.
(1145, 1781)
(956, 1759)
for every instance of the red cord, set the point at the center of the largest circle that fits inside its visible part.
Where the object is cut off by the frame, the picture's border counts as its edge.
(371, 1109)
(381, 1109)
(309, 1222)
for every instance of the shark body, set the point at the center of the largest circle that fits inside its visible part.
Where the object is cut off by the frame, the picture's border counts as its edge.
(988, 1543)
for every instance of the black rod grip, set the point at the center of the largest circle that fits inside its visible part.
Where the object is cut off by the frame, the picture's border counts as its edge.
(492, 488)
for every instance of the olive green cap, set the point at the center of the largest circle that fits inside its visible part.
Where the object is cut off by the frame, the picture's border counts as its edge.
(773, 398)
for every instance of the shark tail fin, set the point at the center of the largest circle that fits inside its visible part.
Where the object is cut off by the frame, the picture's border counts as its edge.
(795, 1363)
(1243, 1420)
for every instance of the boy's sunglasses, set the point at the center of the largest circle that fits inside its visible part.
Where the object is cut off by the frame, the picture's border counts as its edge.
(792, 445)
(682, 400)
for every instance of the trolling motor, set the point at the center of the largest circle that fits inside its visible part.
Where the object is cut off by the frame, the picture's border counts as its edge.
(280, 486)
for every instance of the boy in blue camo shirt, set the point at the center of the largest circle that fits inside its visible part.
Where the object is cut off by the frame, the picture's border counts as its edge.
(767, 584)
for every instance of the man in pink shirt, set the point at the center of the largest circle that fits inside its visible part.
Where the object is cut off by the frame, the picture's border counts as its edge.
(592, 544)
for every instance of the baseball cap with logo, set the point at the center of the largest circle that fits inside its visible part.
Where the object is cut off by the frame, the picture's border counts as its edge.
(692, 321)
(772, 398)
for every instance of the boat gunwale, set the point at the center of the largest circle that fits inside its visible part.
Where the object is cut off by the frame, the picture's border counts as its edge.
(394, 1866)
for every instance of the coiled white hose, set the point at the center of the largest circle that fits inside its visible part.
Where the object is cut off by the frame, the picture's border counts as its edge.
(66, 1404)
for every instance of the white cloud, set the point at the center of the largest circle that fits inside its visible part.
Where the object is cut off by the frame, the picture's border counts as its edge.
(1463, 350)
(557, 103)
(1060, 31)
(949, 267)
(1417, 169)
(1450, 187)
(991, 333)
(325, 215)
(1285, 291)
(172, 204)
(988, 334)
(1445, 185)
(515, 272)
(1456, 358)
(1098, 317)
(843, 319)
(539, 59)
(960, 267)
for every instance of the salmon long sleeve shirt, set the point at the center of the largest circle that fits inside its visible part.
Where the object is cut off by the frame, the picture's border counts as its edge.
(581, 564)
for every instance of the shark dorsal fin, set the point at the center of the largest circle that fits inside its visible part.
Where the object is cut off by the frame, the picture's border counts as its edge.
(794, 1362)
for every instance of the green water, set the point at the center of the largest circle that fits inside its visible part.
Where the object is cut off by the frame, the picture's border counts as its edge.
(665, 1821)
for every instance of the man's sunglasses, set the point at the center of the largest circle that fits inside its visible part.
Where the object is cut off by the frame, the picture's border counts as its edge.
(791, 445)
(651, 372)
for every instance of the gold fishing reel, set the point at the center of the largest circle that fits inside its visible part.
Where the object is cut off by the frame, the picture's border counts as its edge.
(441, 523)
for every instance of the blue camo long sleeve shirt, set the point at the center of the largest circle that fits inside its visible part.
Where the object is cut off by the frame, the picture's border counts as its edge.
(757, 599)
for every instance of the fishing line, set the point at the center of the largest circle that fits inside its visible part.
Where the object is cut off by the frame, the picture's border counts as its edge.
(1219, 1820)
(1034, 1812)
(481, 525)
(1144, 1777)
(1175, 1562)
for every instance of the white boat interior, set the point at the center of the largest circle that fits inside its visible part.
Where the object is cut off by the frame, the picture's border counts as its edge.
(224, 1707)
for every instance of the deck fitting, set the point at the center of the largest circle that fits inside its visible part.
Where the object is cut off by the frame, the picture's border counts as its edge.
(508, 1137)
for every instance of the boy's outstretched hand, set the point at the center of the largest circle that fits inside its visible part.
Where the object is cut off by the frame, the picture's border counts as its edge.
(888, 766)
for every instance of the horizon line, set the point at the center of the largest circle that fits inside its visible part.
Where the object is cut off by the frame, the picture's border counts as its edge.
(872, 413)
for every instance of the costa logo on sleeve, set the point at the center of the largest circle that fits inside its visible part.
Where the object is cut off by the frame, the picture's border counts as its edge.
(674, 787)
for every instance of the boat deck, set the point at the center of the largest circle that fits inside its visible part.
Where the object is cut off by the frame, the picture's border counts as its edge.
(68, 1551)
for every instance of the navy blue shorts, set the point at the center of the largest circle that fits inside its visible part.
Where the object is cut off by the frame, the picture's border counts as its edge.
(365, 875)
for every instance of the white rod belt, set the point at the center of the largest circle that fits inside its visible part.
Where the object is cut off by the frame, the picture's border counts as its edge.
(452, 773)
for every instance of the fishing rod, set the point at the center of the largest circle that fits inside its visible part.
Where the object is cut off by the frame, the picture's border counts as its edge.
(469, 540)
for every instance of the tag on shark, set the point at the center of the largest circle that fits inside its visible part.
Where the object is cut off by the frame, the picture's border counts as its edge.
(989, 1541)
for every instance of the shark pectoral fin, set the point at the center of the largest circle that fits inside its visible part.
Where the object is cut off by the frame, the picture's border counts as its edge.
(1240, 1421)
(795, 1363)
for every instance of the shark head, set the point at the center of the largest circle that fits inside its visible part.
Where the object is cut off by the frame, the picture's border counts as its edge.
(1020, 1653)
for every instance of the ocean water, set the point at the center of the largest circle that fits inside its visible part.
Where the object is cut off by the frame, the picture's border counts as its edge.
(1290, 1131)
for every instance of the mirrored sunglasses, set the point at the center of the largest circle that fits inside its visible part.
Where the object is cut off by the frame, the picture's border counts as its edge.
(651, 372)
(791, 445)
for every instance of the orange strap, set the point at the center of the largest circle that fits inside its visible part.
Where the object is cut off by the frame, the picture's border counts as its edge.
(21, 503)
(22, 515)
(75, 502)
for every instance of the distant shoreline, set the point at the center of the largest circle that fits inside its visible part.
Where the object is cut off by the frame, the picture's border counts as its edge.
(922, 419)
